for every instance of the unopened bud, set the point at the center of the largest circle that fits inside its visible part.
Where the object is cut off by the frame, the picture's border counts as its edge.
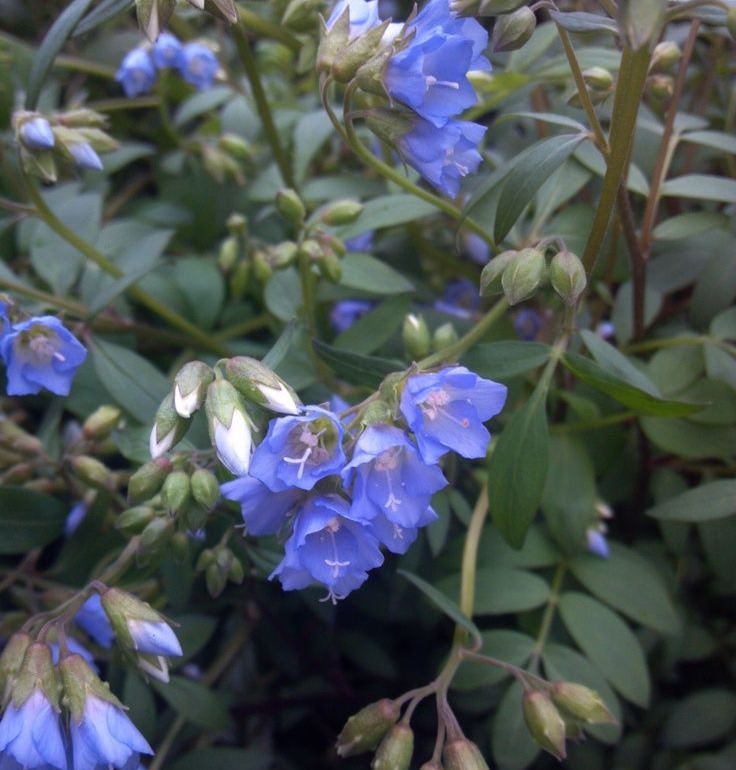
(236, 146)
(229, 253)
(490, 278)
(415, 333)
(282, 255)
(180, 547)
(333, 42)
(567, 276)
(395, 750)
(544, 722)
(92, 472)
(134, 520)
(598, 78)
(341, 212)
(206, 559)
(357, 53)
(581, 703)
(190, 387)
(300, 14)
(512, 30)
(230, 427)
(329, 266)
(101, 422)
(462, 754)
(662, 86)
(175, 491)
(444, 336)
(522, 277)
(156, 533)
(215, 580)
(148, 479)
(290, 206)
(364, 730)
(82, 118)
(259, 384)
(168, 429)
(205, 488)
(665, 57)
(11, 661)
(240, 279)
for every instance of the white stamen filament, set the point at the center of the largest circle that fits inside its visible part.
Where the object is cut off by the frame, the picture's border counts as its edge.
(433, 405)
(431, 80)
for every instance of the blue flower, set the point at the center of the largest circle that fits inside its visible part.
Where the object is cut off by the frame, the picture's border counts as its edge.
(198, 65)
(596, 542)
(299, 450)
(30, 734)
(447, 409)
(430, 73)
(74, 518)
(167, 51)
(40, 353)
(390, 478)
(363, 15)
(460, 299)
(37, 134)
(362, 242)
(329, 547)
(92, 619)
(79, 649)
(153, 637)
(264, 512)
(528, 323)
(443, 156)
(346, 312)
(85, 157)
(136, 73)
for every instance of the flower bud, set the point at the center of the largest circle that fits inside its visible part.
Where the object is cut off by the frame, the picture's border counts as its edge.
(462, 754)
(156, 533)
(598, 78)
(415, 333)
(190, 387)
(581, 703)
(205, 488)
(490, 278)
(101, 422)
(512, 30)
(665, 57)
(364, 730)
(290, 206)
(235, 146)
(134, 520)
(92, 472)
(522, 277)
(82, 118)
(662, 86)
(329, 266)
(444, 336)
(230, 427)
(15, 438)
(11, 660)
(175, 492)
(544, 722)
(148, 479)
(215, 580)
(229, 253)
(168, 428)
(205, 559)
(240, 279)
(282, 255)
(237, 224)
(35, 133)
(333, 42)
(85, 157)
(342, 212)
(256, 382)
(80, 682)
(36, 672)
(395, 750)
(180, 547)
(357, 53)
(567, 276)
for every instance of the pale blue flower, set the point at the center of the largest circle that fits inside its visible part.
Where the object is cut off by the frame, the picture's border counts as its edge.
(167, 51)
(363, 15)
(596, 542)
(92, 618)
(85, 157)
(264, 512)
(198, 65)
(153, 637)
(31, 734)
(346, 312)
(460, 299)
(528, 322)
(37, 134)
(136, 73)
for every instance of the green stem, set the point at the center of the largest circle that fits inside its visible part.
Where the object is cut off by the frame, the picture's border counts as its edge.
(262, 106)
(632, 76)
(76, 64)
(243, 327)
(265, 28)
(74, 308)
(549, 616)
(454, 351)
(198, 337)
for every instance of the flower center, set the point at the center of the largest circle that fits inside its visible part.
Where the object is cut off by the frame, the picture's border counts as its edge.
(312, 448)
(42, 347)
(386, 462)
(333, 526)
(431, 80)
(434, 406)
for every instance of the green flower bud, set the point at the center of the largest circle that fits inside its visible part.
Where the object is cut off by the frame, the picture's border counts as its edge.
(581, 703)
(665, 57)
(662, 86)
(282, 255)
(341, 212)
(511, 31)
(300, 15)
(134, 520)
(15, 438)
(259, 384)
(229, 253)
(215, 580)
(333, 42)
(190, 387)
(175, 491)
(544, 722)
(156, 533)
(357, 53)
(82, 118)
(290, 206)
(230, 427)
(206, 559)
(364, 730)
(415, 333)
(36, 672)
(236, 573)
(522, 277)
(153, 16)
(444, 336)
(567, 276)
(241, 278)
(370, 76)
(598, 78)
(329, 266)
(101, 422)
(168, 429)
(180, 547)
(205, 488)
(462, 754)
(490, 278)
(148, 479)
(395, 750)
(11, 660)
(236, 146)
(237, 225)
(92, 472)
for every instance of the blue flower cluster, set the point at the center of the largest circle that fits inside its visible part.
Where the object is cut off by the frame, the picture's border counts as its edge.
(338, 497)
(38, 353)
(195, 62)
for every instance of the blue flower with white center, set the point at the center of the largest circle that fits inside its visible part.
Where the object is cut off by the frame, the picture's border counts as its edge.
(363, 15)
(299, 450)
(447, 409)
(329, 547)
(430, 73)
(40, 353)
(84, 156)
(264, 512)
(37, 134)
(136, 73)
(396, 538)
(167, 51)
(92, 619)
(198, 65)
(390, 478)
(443, 156)
(31, 735)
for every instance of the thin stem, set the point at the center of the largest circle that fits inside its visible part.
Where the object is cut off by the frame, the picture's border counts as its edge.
(266, 28)
(632, 76)
(637, 260)
(549, 615)
(75, 308)
(262, 106)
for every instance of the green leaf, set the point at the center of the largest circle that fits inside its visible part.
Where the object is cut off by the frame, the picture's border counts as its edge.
(545, 117)
(627, 582)
(715, 139)
(131, 380)
(193, 632)
(387, 211)
(204, 288)
(714, 500)
(354, 368)
(637, 400)
(687, 225)
(281, 347)
(617, 363)
(580, 21)
(622, 315)
(376, 327)
(674, 369)
(508, 646)
(701, 718)
(511, 744)
(224, 759)
(28, 519)
(501, 590)
(283, 294)
(310, 133)
(518, 469)
(368, 274)
(106, 10)
(504, 360)
(201, 103)
(195, 702)
(443, 603)
(528, 175)
(688, 439)
(609, 643)
(590, 156)
(59, 33)
(702, 187)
